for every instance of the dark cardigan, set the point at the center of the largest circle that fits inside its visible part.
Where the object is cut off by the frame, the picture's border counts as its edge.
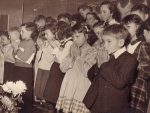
(109, 92)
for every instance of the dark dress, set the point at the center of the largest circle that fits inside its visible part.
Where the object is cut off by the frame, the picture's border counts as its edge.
(109, 91)
(54, 82)
(26, 75)
(8, 71)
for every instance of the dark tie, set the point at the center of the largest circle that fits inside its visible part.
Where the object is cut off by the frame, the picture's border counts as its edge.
(106, 24)
(111, 57)
(134, 42)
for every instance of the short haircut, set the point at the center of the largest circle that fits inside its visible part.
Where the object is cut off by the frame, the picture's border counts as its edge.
(4, 33)
(39, 17)
(63, 30)
(85, 6)
(51, 27)
(64, 15)
(141, 8)
(14, 29)
(132, 18)
(77, 17)
(116, 30)
(50, 20)
(80, 27)
(30, 26)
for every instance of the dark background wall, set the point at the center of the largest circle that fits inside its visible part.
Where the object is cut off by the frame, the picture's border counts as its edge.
(18, 14)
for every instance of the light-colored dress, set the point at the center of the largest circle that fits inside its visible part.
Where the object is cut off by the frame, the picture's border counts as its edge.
(76, 83)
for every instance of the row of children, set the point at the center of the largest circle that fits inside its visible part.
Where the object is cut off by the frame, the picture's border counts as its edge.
(66, 59)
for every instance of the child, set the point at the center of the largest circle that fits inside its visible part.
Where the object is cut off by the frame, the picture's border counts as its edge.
(109, 13)
(109, 91)
(102, 55)
(92, 19)
(50, 20)
(56, 76)
(140, 49)
(23, 63)
(45, 60)
(8, 57)
(76, 18)
(65, 17)
(83, 9)
(76, 83)
(141, 10)
(146, 30)
(40, 21)
(14, 34)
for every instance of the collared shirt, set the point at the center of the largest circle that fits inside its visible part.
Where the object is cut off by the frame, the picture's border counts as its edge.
(131, 48)
(119, 52)
(113, 21)
(25, 53)
(62, 53)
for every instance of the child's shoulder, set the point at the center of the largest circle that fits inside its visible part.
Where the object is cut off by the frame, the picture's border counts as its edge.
(128, 57)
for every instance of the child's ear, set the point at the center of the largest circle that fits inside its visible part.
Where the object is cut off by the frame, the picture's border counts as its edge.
(121, 42)
(146, 16)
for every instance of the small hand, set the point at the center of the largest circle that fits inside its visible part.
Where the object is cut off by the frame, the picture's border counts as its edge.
(75, 51)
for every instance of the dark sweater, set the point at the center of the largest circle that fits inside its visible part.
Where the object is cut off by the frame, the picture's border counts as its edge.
(109, 92)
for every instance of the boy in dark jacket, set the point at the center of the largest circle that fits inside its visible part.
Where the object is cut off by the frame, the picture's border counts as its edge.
(109, 93)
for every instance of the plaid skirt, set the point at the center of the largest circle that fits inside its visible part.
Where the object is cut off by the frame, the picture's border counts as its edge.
(139, 95)
(71, 105)
(73, 90)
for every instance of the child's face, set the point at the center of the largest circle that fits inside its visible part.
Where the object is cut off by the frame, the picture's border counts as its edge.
(84, 12)
(41, 23)
(79, 38)
(90, 20)
(49, 35)
(105, 13)
(132, 28)
(98, 31)
(5, 40)
(25, 34)
(14, 36)
(112, 44)
(147, 35)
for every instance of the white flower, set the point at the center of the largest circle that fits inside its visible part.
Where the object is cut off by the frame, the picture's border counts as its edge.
(8, 87)
(7, 102)
(20, 88)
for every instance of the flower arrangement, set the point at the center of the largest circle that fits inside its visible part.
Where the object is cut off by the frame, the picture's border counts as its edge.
(11, 96)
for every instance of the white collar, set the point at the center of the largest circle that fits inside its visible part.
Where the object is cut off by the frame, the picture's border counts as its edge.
(119, 52)
(113, 21)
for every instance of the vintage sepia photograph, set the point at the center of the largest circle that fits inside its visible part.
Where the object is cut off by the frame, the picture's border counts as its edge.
(74, 56)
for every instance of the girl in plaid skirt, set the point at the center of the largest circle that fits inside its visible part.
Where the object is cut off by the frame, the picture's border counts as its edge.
(141, 50)
(76, 83)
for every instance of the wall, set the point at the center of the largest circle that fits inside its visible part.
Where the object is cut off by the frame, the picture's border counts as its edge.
(34, 7)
